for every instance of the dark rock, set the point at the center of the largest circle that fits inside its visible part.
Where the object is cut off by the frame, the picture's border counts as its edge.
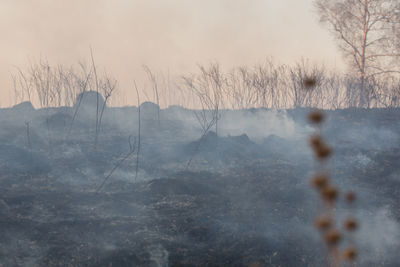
(89, 100)
(149, 110)
(24, 107)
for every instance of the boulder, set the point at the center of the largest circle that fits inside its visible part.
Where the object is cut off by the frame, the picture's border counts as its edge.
(89, 101)
(149, 110)
(25, 106)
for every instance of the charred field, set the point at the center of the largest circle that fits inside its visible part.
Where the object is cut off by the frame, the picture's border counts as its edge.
(238, 196)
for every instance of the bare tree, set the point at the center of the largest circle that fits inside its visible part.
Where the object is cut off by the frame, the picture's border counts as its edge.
(18, 92)
(361, 27)
(55, 86)
(22, 86)
(208, 88)
(107, 87)
(298, 74)
(240, 89)
(333, 95)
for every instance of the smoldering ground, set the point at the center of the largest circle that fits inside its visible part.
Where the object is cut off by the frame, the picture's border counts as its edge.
(244, 197)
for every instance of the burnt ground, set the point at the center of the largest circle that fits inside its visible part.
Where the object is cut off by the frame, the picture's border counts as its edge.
(240, 201)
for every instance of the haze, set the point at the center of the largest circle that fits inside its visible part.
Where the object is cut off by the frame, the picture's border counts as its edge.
(169, 35)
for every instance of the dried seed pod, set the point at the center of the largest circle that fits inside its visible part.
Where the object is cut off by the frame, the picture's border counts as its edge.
(323, 223)
(350, 197)
(255, 264)
(316, 141)
(350, 224)
(332, 237)
(350, 254)
(330, 193)
(323, 151)
(320, 181)
(316, 117)
(309, 82)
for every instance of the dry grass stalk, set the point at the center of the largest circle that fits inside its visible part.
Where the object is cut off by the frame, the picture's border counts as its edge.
(328, 193)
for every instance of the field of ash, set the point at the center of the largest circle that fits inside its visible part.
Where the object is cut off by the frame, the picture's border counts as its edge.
(235, 195)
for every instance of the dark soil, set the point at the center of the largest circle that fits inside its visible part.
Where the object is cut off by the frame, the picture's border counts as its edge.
(241, 202)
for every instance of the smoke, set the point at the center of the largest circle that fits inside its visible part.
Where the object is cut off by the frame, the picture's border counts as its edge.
(173, 35)
(379, 236)
(259, 124)
(158, 256)
(369, 136)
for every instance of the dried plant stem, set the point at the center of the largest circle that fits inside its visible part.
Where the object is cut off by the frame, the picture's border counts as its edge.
(138, 147)
(116, 166)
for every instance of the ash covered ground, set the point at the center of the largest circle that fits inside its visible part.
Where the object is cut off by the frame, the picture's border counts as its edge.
(238, 197)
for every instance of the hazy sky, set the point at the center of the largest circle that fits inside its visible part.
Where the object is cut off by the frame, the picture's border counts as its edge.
(173, 35)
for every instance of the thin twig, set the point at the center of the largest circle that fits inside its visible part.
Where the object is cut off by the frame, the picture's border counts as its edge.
(116, 166)
(138, 148)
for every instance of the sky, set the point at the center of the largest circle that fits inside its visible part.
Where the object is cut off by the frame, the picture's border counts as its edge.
(167, 35)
